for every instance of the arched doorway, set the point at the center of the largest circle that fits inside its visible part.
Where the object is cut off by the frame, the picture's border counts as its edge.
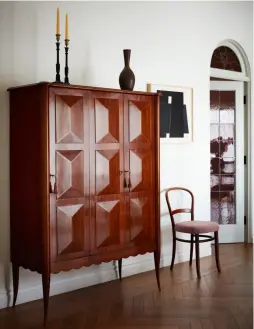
(230, 142)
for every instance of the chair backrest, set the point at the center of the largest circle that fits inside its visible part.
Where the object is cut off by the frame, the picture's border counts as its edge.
(181, 210)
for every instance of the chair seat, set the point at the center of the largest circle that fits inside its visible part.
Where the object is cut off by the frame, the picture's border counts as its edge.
(197, 227)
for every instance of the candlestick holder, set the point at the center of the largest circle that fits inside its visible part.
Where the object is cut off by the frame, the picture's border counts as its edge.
(58, 80)
(66, 69)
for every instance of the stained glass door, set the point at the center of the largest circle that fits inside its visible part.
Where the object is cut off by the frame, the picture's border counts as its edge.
(227, 159)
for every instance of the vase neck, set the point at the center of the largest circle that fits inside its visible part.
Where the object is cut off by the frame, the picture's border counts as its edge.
(127, 55)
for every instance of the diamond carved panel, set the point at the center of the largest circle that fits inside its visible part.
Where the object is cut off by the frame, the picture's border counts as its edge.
(140, 168)
(106, 120)
(139, 114)
(69, 119)
(107, 223)
(70, 229)
(70, 174)
(138, 216)
(107, 167)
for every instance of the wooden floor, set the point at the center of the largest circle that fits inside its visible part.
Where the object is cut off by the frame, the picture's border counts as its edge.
(218, 301)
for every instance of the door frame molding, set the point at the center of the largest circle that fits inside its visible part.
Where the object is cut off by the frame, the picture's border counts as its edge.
(244, 76)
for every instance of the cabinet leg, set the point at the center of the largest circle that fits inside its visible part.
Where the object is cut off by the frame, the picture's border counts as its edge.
(157, 257)
(15, 278)
(120, 268)
(46, 288)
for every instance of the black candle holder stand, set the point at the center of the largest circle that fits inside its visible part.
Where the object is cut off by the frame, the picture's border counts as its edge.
(66, 69)
(58, 79)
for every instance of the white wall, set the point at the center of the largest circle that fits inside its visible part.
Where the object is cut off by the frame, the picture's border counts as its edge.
(171, 43)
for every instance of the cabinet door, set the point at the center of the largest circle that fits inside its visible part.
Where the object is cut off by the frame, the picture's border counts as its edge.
(106, 164)
(139, 145)
(69, 167)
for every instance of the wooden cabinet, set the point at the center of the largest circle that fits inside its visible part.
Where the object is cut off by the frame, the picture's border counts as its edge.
(84, 178)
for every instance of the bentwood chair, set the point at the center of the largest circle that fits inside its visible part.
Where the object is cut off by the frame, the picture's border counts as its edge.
(196, 229)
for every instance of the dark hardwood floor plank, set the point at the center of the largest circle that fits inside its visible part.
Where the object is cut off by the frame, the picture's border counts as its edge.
(217, 301)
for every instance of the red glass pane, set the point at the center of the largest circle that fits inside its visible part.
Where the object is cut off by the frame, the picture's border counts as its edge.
(222, 152)
(223, 207)
(225, 59)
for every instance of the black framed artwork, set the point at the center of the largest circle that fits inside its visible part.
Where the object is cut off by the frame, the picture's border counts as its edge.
(176, 122)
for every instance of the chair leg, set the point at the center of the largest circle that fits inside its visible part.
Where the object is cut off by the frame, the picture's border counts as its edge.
(217, 256)
(173, 252)
(191, 248)
(197, 255)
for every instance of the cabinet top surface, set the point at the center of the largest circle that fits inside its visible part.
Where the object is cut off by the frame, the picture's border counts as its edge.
(69, 86)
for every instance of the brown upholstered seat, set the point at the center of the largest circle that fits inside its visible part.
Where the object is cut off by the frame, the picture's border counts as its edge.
(197, 227)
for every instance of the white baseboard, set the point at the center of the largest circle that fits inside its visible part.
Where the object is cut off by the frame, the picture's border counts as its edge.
(85, 277)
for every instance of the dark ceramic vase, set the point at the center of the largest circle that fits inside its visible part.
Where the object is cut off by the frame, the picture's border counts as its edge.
(127, 77)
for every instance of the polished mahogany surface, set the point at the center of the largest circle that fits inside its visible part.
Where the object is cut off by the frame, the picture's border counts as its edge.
(84, 178)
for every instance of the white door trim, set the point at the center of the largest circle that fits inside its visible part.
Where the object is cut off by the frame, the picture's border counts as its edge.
(233, 233)
(230, 75)
(244, 76)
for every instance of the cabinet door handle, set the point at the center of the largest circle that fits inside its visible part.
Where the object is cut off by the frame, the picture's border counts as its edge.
(124, 182)
(129, 182)
(55, 188)
(50, 185)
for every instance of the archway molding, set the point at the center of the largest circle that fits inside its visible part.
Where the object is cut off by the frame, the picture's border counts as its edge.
(243, 59)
